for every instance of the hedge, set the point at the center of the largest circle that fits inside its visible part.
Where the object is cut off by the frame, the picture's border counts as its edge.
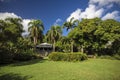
(113, 57)
(57, 56)
(26, 55)
(7, 57)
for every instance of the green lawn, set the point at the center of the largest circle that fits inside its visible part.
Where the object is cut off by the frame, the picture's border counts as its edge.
(93, 69)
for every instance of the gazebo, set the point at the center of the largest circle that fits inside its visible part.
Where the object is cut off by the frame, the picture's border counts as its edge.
(44, 48)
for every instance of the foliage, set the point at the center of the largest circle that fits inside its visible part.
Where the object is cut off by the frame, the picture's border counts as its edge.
(5, 56)
(97, 36)
(65, 41)
(90, 36)
(24, 55)
(116, 56)
(106, 57)
(24, 50)
(56, 56)
(53, 35)
(11, 30)
(70, 25)
(63, 44)
(12, 45)
(36, 28)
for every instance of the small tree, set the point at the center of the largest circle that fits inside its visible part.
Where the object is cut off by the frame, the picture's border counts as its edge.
(54, 34)
(36, 29)
(70, 25)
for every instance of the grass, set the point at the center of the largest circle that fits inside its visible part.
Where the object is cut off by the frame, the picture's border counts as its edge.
(93, 69)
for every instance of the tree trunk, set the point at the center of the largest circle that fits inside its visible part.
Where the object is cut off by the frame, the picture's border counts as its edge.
(54, 46)
(72, 46)
(34, 40)
(72, 43)
(82, 50)
(79, 49)
(34, 43)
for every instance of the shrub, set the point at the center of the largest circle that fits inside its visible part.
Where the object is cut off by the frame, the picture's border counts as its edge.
(57, 56)
(22, 57)
(5, 56)
(113, 57)
(116, 56)
(26, 55)
(84, 57)
(106, 57)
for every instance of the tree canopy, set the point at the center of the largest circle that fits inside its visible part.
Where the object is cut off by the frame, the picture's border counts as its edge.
(90, 36)
(36, 28)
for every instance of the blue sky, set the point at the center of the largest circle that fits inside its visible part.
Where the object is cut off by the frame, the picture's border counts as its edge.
(53, 12)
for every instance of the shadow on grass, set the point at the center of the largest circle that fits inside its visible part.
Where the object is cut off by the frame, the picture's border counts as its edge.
(12, 76)
(28, 62)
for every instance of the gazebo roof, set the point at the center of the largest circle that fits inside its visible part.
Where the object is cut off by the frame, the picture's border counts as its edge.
(44, 45)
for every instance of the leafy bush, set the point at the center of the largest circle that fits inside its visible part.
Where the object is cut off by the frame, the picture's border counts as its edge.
(113, 57)
(106, 57)
(26, 55)
(9, 56)
(5, 56)
(116, 56)
(56, 56)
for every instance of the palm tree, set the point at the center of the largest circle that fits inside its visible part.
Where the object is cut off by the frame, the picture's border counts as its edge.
(54, 34)
(70, 25)
(36, 30)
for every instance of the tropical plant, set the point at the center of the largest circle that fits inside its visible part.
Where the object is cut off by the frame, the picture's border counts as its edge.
(54, 34)
(65, 43)
(70, 25)
(36, 30)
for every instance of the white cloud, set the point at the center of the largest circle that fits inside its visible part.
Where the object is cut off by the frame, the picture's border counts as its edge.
(104, 2)
(112, 15)
(96, 8)
(6, 15)
(25, 24)
(76, 14)
(13, 15)
(58, 21)
(90, 12)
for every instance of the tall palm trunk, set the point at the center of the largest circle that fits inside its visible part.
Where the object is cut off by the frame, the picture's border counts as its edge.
(72, 43)
(72, 46)
(35, 42)
(82, 49)
(79, 49)
(54, 46)
(35, 27)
